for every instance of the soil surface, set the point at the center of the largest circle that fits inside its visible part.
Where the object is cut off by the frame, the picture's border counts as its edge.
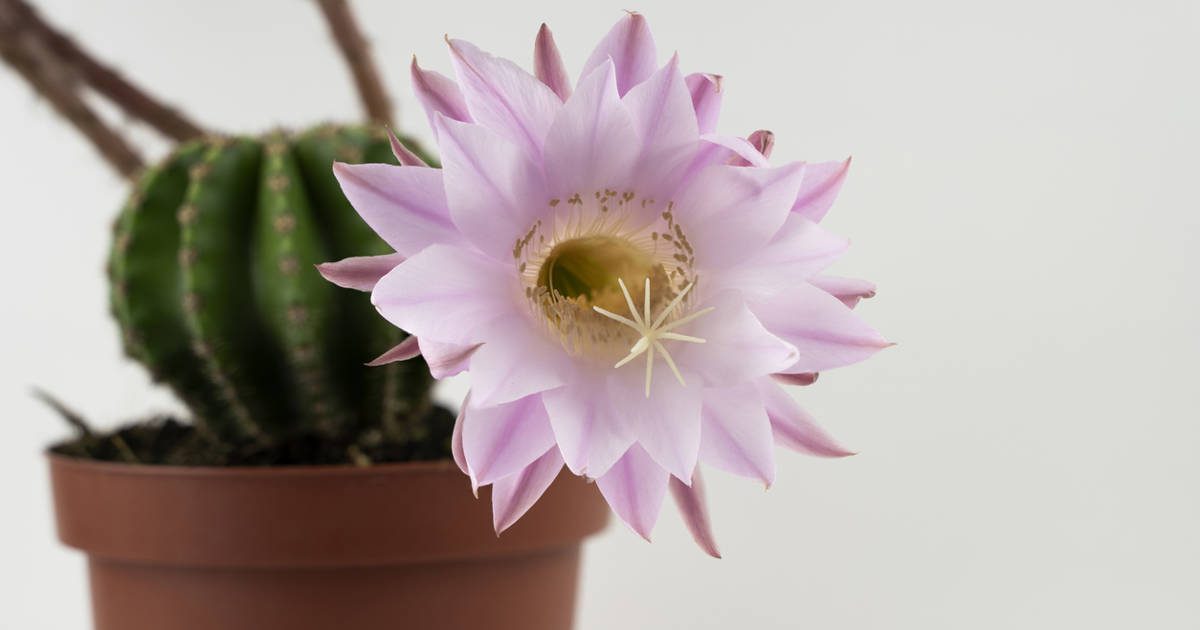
(169, 441)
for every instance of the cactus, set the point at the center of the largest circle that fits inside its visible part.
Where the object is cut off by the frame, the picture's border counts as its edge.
(215, 290)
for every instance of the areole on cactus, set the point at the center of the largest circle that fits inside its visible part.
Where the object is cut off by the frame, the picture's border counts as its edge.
(215, 289)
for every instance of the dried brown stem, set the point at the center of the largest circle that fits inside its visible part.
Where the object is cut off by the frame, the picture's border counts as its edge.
(357, 52)
(30, 57)
(105, 80)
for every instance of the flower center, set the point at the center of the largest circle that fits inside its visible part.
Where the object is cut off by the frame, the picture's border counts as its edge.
(587, 269)
(610, 275)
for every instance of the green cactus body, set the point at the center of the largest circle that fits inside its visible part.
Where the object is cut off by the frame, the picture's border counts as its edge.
(215, 288)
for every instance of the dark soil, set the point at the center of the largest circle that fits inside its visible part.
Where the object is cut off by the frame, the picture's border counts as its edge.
(168, 441)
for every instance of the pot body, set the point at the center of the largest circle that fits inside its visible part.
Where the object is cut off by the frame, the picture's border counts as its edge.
(392, 546)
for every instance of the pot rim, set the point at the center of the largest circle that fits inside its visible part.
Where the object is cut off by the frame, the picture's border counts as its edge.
(303, 516)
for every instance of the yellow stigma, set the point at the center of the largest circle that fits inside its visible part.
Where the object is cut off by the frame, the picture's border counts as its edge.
(650, 333)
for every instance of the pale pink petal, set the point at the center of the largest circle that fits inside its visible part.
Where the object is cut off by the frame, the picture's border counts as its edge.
(631, 47)
(795, 428)
(706, 99)
(447, 359)
(588, 146)
(735, 434)
(438, 94)
(548, 64)
(848, 290)
(800, 250)
(693, 507)
(763, 140)
(662, 108)
(405, 206)
(503, 97)
(729, 213)
(592, 432)
(825, 332)
(500, 441)
(739, 151)
(666, 123)
(446, 294)
(403, 351)
(802, 379)
(516, 360)
(513, 495)
(634, 488)
(403, 154)
(495, 192)
(820, 189)
(456, 446)
(359, 272)
(737, 347)
(668, 421)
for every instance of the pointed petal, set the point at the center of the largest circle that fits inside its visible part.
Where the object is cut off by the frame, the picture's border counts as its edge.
(403, 154)
(795, 428)
(499, 441)
(592, 433)
(588, 146)
(762, 140)
(820, 189)
(403, 351)
(548, 64)
(359, 272)
(706, 99)
(848, 290)
(693, 507)
(513, 495)
(732, 212)
(438, 94)
(631, 47)
(494, 191)
(735, 433)
(503, 97)
(800, 250)
(662, 108)
(446, 294)
(447, 359)
(802, 379)
(667, 422)
(738, 347)
(634, 488)
(405, 206)
(738, 151)
(666, 123)
(456, 446)
(516, 360)
(824, 331)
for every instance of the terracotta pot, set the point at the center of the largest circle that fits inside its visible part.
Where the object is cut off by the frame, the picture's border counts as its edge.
(393, 546)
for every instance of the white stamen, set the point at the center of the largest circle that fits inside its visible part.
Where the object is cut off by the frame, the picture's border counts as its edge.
(652, 333)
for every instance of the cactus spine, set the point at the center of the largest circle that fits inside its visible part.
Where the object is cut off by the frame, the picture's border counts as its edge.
(215, 290)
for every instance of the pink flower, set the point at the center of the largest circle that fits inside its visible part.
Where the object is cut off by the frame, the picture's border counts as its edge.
(626, 286)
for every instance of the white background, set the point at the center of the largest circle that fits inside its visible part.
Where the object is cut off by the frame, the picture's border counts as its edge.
(1024, 191)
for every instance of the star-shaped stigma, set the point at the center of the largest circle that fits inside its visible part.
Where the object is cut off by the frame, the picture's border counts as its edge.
(653, 333)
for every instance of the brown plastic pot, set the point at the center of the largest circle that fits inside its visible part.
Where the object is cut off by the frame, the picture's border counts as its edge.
(318, 548)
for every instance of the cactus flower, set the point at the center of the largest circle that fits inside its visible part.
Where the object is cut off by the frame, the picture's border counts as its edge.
(627, 287)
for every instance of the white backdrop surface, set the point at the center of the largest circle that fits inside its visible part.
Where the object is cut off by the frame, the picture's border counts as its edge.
(1024, 191)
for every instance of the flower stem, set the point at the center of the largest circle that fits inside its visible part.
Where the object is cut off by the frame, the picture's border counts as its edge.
(52, 79)
(356, 50)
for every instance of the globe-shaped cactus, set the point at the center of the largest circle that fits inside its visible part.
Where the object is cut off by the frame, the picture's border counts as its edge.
(216, 292)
